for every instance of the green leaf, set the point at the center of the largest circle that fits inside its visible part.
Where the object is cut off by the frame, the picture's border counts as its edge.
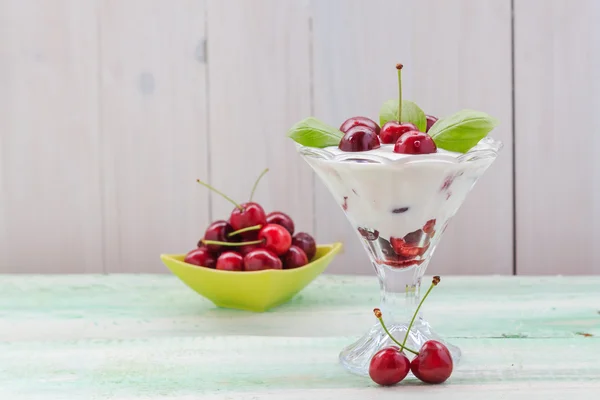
(411, 112)
(461, 131)
(313, 133)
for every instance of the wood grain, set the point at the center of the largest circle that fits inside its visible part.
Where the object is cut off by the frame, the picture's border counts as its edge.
(155, 131)
(149, 337)
(461, 58)
(50, 208)
(259, 85)
(557, 75)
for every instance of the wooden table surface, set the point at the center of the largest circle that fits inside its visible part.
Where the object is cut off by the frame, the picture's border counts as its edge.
(150, 337)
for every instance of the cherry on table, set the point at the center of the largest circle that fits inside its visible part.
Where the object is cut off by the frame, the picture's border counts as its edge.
(392, 130)
(275, 238)
(246, 215)
(430, 121)
(294, 258)
(359, 138)
(217, 231)
(279, 218)
(388, 366)
(306, 243)
(230, 261)
(359, 121)
(261, 259)
(415, 142)
(433, 364)
(201, 257)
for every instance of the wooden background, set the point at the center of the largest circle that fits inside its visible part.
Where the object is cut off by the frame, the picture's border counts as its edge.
(110, 109)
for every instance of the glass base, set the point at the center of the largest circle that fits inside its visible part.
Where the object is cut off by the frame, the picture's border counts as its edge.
(356, 357)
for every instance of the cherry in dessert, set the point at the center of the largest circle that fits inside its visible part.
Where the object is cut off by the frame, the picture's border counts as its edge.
(279, 218)
(359, 121)
(413, 244)
(294, 258)
(389, 366)
(368, 234)
(433, 364)
(261, 259)
(429, 227)
(359, 138)
(275, 238)
(392, 130)
(217, 231)
(345, 204)
(201, 257)
(230, 261)
(430, 121)
(306, 243)
(415, 142)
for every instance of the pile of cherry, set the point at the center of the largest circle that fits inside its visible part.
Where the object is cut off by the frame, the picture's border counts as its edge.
(432, 364)
(252, 240)
(362, 134)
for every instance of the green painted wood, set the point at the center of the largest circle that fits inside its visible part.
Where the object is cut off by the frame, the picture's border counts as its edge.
(150, 337)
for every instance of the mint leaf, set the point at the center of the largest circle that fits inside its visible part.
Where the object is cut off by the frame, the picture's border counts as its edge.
(411, 112)
(313, 133)
(461, 131)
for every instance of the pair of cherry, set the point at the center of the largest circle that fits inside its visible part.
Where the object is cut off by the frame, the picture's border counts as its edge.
(432, 364)
(362, 133)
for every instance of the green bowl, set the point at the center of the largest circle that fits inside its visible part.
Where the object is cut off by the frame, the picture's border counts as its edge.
(252, 291)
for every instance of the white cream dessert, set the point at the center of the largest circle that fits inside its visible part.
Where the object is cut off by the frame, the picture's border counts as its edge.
(398, 202)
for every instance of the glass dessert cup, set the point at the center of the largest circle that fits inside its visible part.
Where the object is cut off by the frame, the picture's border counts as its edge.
(399, 205)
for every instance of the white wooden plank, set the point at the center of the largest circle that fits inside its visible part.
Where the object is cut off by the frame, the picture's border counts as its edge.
(259, 80)
(50, 187)
(154, 130)
(456, 55)
(557, 66)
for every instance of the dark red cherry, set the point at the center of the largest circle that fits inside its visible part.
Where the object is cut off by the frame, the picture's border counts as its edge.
(433, 364)
(294, 258)
(414, 142)
(430, 121)
(279, 218)
(388, 366)
(306, 243)
(359, 121)
(359, 138)
(275, 238)
(260, 259)
(392, 130)
(201, 257)
(217, 231)
(251, 214)
(230, 261)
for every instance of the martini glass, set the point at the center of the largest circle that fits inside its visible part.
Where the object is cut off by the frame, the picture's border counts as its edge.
(399, 206)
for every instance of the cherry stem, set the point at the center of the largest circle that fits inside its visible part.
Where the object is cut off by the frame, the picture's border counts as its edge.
(221, 193)
(231, 244)
(434, 282)
(377, 313)
(247, 229)
(399, 68)
(256, 182)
